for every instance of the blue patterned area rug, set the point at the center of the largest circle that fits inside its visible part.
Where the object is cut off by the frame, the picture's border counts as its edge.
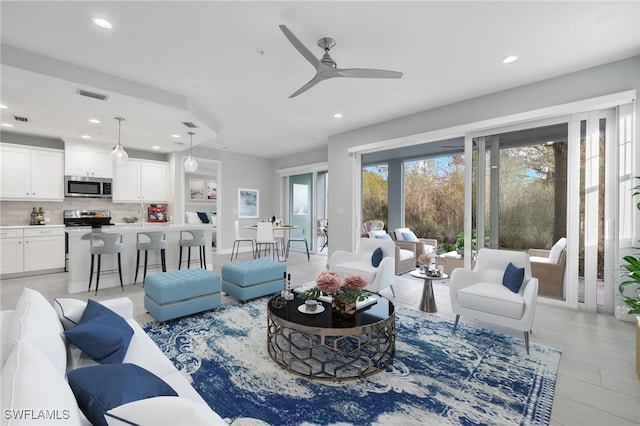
(467, 377)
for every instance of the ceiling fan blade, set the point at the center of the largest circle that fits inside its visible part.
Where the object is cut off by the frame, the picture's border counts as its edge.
(315, 80)
(367, 73)
(300, 47)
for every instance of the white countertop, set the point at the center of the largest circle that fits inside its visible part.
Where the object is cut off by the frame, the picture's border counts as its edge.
(60, 225)
(128, 228)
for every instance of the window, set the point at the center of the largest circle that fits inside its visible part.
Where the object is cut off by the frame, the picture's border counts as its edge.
(375, 193)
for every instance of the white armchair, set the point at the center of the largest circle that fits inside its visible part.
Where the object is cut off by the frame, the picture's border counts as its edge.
(480, 293)
(344, 262)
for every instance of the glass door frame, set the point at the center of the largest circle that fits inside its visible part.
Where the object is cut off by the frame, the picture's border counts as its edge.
(573, 202)
(285, 196)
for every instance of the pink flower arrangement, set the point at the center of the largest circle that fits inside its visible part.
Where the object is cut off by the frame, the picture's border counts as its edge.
(354, 282)
(349, 290)
(328, 282)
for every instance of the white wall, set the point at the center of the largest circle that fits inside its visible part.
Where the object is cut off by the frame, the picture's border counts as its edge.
(590, 83)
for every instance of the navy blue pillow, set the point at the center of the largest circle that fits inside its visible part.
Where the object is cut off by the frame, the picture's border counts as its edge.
(203, 217)
(513, 277)
(100, 388)
(101, 334)
(376, 257)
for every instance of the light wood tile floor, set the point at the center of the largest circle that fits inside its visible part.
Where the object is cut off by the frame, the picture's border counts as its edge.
(596, 384)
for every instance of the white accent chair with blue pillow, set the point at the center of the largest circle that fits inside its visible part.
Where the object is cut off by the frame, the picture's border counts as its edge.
(423, 245)
(499, 290)
(376, 266)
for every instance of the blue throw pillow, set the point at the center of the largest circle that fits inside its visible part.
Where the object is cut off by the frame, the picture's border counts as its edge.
(101, 334)
(383, 236)
(100, 388)
(513, 277)
(204, 218)
(376, 257)
(410, 236)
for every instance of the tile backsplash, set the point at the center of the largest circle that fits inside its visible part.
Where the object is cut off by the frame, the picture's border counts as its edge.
(18, 213)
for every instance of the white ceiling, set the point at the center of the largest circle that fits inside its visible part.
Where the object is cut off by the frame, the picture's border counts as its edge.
(228, 68)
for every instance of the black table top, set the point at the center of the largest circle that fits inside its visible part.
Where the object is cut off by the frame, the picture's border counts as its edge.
(372, 314)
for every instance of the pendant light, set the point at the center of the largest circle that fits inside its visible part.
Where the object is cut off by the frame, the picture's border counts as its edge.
(119, 155)
(191, 165)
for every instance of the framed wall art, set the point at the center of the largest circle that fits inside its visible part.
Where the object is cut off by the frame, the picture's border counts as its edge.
(248, 203)
(196, 189)
(212, 190)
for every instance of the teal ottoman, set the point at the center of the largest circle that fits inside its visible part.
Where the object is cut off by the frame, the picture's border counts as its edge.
(175, 294)
(253, 278)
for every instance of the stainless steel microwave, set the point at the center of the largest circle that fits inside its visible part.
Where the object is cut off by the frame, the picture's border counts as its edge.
(88, 187)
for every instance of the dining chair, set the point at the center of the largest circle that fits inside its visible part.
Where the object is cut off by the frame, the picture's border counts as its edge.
(322, 230)
(239, 239)
(279, 235)
(264, 237)
(302, 239)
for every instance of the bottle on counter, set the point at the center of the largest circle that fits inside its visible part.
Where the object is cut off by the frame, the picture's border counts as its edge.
(40, 217)
(34, 214)
(273, 218)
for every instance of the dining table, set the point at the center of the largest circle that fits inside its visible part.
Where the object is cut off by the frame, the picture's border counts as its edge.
(277, 228)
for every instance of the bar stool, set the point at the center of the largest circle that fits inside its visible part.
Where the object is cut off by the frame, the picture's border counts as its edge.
(104, 243)
(196, 240)
(152, 240)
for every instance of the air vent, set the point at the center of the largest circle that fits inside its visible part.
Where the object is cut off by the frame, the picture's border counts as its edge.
(20, 119)
(93, 95)
(178, 143)
(189, 125)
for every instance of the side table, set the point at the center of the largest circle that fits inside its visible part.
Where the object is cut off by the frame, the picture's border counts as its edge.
(428, 300)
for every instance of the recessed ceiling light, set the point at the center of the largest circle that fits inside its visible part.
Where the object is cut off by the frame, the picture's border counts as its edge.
(175, 136)
(3, 106)
(94, 121)
(7, 125)
(85, 137)
(337, 115)
(155, 147)
(102, 23)
(509, 59)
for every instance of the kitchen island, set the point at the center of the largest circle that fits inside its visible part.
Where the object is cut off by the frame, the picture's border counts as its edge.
(80, 258)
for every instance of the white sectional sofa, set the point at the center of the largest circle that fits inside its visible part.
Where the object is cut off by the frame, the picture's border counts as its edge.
(37, 360)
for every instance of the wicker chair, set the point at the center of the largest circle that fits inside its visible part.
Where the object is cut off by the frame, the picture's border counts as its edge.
(405, 254)
(419, 245)
(550, 275)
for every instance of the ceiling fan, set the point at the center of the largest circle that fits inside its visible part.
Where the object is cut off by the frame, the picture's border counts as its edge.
(326, 67)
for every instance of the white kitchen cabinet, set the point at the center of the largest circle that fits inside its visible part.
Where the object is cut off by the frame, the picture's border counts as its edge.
(82, 160)
(141, 181)
(11, 252)
(31, 249)
(31, 173)
(43, 249)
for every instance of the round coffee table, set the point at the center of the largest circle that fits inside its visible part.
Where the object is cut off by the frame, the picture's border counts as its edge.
(428, 301)
(329, 347)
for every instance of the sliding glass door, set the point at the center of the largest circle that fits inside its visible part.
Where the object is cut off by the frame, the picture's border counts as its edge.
(537, 184)
(301, 209)
(520, 182)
